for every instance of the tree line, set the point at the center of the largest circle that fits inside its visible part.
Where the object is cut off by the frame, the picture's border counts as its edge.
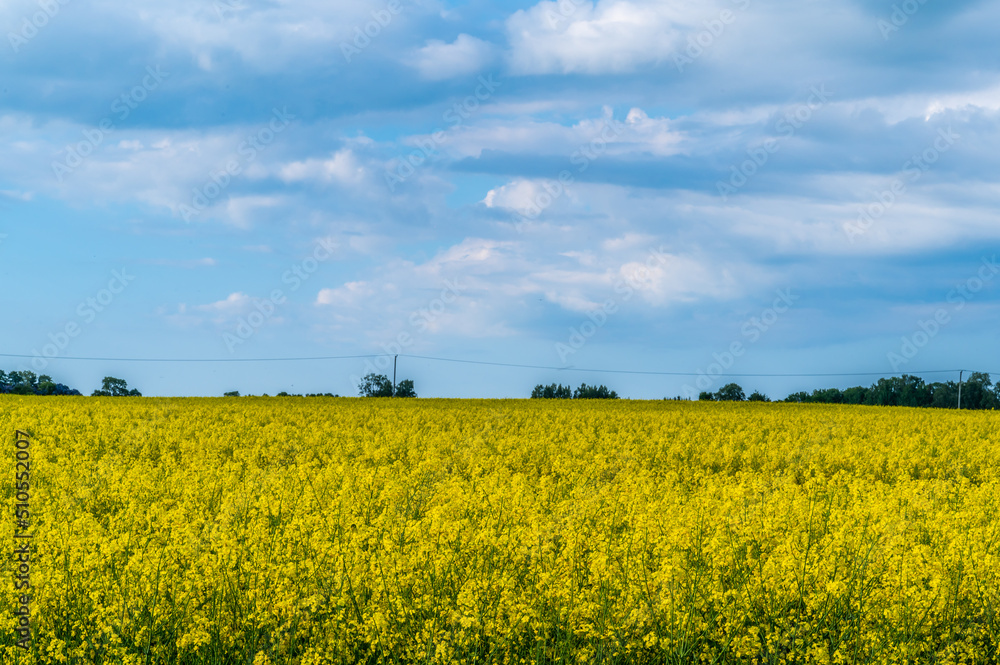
(978, 392)
(28, 383)
(556, 391)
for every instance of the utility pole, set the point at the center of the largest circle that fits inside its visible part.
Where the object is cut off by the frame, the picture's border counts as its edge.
(960, 372)
(394, 358)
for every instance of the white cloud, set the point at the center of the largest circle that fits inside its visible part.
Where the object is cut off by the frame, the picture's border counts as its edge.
(351, 294)
(270, 37)
(234, 303)
(666, 279)
(525, 196)
(587, 140)
(438, 60)
(342, 167)
(607, 37)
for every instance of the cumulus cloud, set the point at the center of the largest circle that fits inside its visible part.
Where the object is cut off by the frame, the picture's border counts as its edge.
(439, 60)
(608, 36)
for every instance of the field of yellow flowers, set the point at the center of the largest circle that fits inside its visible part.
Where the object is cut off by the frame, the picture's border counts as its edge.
(320, 531)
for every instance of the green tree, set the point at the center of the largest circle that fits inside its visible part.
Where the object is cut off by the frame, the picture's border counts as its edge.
(944, 395)
(375, 385)
(112, 387)
(903, 390)
(594, 392)
(757, 396)
(405, 389)
(233, 393)
(978, 393)
(828, 396)
(23, 379)
(552, 391)
(46, 386)
(731, 392)
(855, 395)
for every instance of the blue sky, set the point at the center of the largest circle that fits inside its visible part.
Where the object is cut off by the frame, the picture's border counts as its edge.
(759, 187)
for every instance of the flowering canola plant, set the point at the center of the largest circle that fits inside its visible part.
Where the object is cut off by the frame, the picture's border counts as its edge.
(324, 531)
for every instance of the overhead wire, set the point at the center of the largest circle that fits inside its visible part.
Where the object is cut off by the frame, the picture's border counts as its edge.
(556, 368)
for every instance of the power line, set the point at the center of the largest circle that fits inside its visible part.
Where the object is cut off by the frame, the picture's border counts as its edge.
(649, 373)
(482, 362)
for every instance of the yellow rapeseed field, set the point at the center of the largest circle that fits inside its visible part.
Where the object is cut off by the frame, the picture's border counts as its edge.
(319, 531)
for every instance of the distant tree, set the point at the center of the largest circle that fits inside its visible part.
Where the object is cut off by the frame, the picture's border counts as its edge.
(594, 392)
(944, 394)
(799, 397)
(112, 387)
(46, 386)
(705, 396)
(757, 396)
(405, 389)
(978, 393)
(552, 391)
(731, 392)
(375, 385)
(885, 392)
(828, 396)
(232, 393)
(23, 379)
(855, 395)
(914, 392)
